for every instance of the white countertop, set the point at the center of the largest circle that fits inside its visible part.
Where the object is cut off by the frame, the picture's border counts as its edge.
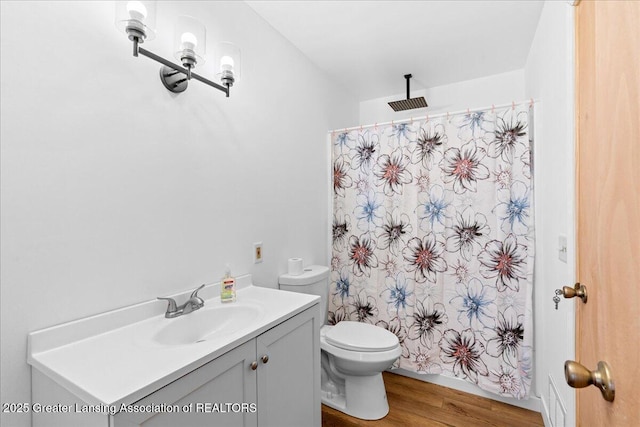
(111, 359)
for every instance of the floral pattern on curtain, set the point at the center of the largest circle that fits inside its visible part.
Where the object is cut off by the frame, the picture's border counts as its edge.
(433, 240)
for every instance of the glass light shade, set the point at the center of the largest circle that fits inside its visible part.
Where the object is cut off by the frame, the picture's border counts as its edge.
(227, 62)
(190, 41)
(136, 19)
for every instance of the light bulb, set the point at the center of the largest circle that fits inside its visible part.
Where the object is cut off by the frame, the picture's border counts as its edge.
(188, 41)
(136, 10)
(226, 63)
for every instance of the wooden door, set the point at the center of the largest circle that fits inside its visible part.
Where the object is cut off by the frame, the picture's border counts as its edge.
(608, 198)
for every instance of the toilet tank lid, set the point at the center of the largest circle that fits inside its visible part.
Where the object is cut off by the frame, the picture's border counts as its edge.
(310, 274)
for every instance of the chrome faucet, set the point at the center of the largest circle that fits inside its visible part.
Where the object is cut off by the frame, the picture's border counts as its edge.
(194, 303)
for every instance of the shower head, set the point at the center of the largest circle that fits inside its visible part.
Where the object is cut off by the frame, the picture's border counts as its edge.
(409, 103)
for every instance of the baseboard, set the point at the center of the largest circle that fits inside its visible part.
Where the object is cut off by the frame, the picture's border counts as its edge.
(532, 403)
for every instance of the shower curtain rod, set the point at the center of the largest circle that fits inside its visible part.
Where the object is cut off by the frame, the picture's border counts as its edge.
(429, 116)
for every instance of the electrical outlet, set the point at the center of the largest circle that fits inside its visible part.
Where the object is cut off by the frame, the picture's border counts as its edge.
(257, 252)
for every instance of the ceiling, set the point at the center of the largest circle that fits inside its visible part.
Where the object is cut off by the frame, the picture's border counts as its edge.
(370, 45)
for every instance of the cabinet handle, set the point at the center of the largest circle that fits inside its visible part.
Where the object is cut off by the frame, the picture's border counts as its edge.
(254, 365)
(264, 358)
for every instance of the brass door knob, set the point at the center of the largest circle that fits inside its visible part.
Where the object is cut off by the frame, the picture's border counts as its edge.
(264, 358)
(254, 365)
(578, 290)
(578, 376)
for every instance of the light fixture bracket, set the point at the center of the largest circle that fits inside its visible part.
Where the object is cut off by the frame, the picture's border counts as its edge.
(173, 80)
(171, 74)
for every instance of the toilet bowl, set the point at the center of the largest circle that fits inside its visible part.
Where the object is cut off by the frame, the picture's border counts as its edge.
(354, 354)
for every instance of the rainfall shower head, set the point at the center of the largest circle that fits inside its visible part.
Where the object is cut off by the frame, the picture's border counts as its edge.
(409, 103)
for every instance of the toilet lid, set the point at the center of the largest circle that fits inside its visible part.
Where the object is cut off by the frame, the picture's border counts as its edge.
(359, 336)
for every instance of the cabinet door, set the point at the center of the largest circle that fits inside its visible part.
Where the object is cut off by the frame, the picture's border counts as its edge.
(289, 380)
(220, 393)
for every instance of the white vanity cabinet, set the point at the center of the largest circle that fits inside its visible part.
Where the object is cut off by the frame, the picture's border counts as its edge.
(110, 370)
(289, 381)
(227, 379)
(272, 380)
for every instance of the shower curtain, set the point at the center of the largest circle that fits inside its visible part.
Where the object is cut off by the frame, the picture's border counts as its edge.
(433, 240)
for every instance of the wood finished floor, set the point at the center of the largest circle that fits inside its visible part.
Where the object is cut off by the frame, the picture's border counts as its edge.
(416, 403)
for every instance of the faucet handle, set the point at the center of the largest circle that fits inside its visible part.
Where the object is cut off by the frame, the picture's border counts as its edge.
(194, 294)
(172, 307)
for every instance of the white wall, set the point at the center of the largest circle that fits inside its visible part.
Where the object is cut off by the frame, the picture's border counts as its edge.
(482, 92)
(549, 77)
(115, 191)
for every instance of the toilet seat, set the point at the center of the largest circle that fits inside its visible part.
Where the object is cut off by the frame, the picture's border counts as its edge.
(358, 336)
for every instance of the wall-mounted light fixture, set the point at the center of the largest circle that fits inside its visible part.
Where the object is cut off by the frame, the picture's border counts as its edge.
(137, 20)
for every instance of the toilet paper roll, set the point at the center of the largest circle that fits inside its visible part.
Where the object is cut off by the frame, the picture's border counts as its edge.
(295, 266)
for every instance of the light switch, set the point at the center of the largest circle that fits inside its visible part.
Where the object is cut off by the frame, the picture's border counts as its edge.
(562, 248)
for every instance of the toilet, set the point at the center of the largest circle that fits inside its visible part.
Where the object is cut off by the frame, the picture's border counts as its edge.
(353, 354)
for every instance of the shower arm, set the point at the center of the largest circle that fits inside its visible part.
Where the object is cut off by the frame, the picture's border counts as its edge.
(408, 77)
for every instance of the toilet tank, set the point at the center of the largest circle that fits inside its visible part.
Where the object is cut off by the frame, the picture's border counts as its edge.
(314, 280)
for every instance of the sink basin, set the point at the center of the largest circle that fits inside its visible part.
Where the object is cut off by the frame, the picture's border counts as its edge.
(206, 323)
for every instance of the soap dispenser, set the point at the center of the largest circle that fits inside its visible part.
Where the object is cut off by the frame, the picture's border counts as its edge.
(228, 287)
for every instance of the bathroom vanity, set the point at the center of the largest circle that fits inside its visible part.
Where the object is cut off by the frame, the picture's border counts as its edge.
(254, 362)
